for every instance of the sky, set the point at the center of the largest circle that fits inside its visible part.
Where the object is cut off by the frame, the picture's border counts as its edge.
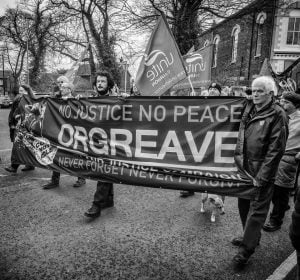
(6, 3)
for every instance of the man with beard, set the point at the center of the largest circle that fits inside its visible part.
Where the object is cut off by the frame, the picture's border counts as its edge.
(104, 195)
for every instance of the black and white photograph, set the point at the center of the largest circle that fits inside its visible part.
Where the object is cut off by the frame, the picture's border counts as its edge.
(149, 140)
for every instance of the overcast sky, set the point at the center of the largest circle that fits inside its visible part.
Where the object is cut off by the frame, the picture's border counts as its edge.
(12, 3)
(6, 3)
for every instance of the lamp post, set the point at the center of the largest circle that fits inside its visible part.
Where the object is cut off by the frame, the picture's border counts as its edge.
(124, 63)
(27, 50)
(27, 60)
(2, 48)
(3, 73)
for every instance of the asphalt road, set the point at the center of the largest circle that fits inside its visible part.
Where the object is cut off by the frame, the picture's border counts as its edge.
(149, 234)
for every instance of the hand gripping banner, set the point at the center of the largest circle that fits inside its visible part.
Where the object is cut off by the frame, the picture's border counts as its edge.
(173, 143)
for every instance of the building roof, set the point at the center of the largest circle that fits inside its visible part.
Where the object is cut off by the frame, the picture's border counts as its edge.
(252, 7)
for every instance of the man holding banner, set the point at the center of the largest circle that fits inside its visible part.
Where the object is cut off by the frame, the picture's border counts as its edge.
(261, 144)
(64, 91)
(104, 195)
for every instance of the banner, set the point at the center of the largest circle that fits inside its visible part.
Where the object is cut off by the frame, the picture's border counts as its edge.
(169, 142)
(162, 65)
(198, 67)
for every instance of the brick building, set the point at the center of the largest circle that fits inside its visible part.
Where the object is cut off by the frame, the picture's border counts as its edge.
(265, 29)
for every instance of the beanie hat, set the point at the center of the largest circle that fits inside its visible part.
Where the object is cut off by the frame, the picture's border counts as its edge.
(215, 85)
(293, 97)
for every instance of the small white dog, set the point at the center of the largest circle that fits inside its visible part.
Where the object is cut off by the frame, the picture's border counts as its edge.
(217, 203)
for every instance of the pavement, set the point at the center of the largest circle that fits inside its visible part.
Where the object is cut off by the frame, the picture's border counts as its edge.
(148, 234)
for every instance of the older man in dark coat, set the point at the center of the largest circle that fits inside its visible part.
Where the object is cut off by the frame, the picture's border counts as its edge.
(261, 144)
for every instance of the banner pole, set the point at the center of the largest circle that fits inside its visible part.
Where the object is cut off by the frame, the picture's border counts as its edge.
(193, 93)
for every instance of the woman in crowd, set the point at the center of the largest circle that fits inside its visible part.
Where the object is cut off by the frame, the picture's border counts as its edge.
(13, 119)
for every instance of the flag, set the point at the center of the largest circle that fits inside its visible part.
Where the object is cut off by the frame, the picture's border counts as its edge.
(161, 66)
(191, 50)
(283, 81)
(266, 69)
(198, 67)
(72, 71)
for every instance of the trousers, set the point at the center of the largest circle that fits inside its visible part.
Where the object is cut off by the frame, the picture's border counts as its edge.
(280, 202)
(55, 177)
(253, 214)
(104, 193)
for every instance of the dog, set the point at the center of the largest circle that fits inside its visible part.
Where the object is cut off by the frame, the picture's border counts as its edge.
(217, 203)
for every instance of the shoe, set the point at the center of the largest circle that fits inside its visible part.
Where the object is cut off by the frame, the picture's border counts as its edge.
(186, 193)
(237, 241)
(241, 258)
(271, 226)
(50, 185)
(10, 169)
(80, 182)
(28, 168)
(93, 212)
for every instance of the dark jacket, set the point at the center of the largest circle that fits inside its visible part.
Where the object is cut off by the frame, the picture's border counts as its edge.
(261, 142)
(295, 226)
(12, 117)
(12, 121)
(287, 170)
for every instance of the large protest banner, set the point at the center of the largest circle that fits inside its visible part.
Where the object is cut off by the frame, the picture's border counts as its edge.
(198, 67)
(158, 142)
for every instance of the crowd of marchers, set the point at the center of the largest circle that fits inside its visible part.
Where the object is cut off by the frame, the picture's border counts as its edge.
(268, 149)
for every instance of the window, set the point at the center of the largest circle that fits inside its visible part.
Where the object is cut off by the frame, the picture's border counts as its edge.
(258, 40)
(293, 34)
(206, 43)
(235, 40)
(298, 79)
(215, 50)
(260, 20)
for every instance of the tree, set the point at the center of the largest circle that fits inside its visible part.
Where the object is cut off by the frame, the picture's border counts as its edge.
(32, 30)
(14, 48)
(187, 18)
(96, 16)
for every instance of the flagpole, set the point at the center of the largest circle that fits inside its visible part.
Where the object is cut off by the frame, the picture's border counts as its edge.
(193, 93)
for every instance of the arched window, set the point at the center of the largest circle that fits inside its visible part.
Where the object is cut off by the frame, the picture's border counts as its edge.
(235, 39)
(206, 43)
(215, 50)
(260, 20)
